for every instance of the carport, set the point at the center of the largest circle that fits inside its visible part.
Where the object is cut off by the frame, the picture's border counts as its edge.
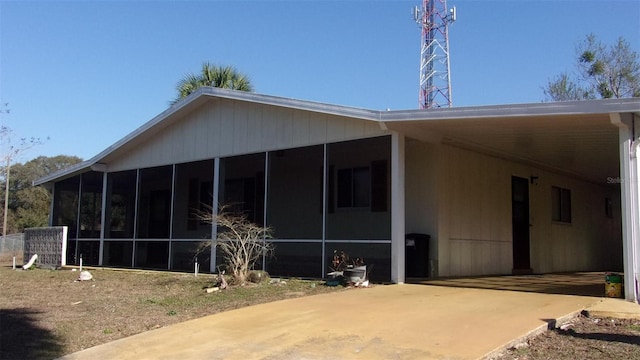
(593, 141)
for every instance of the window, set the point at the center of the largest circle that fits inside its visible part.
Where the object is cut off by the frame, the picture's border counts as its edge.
(354, 187)
(358, 209)
(560, 204)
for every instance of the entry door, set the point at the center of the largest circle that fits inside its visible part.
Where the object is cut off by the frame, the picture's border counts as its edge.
(520, 220)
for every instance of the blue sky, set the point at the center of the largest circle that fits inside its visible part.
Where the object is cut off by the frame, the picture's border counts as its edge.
(86, 73)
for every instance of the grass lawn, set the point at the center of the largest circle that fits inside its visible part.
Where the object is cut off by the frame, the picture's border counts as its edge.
(46, 313)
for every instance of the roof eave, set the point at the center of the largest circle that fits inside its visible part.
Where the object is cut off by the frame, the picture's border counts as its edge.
(517, 110)
(65, 173)
(478, 112)
(200, 96)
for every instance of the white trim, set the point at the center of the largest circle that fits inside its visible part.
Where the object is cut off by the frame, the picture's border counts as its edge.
(583, 107)
(103, 217)
(635, 211)
(264, 206)
(214, 212)
(135, 219)
(397, 208)
(65, 240)
(314, 241)
(634, 186)
(325, 173)
(629, 204)
(171, 209)
(77, 252)
(205, 94)
(360, 241)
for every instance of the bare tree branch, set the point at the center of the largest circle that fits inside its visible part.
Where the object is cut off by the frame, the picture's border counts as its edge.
(241, 242)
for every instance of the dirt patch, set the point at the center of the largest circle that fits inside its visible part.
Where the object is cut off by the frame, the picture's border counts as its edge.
(47, 313)
(583, 337)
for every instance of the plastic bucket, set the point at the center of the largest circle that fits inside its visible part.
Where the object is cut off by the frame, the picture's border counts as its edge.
(355, 275)
(613, 285)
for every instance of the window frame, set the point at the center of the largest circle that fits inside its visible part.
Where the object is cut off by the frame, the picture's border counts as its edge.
(354, 188)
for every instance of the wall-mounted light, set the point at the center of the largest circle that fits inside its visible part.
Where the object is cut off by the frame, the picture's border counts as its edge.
(534, 180)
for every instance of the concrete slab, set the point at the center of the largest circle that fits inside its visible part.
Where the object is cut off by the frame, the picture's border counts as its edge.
(383, 322)
(615, 308)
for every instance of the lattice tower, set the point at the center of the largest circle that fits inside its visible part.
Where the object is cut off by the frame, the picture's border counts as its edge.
(435, 79)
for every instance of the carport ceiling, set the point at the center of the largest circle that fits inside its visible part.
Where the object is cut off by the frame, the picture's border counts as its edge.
(581, 145)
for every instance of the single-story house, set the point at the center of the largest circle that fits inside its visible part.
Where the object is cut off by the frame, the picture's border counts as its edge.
(527, 188)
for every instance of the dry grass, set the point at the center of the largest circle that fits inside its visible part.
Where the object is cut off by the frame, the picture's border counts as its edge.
(46, 313)
(583, 338)
(7, 258)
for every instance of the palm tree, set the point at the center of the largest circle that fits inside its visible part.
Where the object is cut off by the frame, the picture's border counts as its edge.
(226, 77)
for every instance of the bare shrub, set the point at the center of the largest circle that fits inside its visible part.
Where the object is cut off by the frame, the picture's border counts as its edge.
(241, 241)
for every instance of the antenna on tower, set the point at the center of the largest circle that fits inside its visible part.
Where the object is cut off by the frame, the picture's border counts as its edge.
(435, 82)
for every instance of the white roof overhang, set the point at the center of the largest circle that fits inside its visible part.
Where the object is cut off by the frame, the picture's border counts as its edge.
(576, 137)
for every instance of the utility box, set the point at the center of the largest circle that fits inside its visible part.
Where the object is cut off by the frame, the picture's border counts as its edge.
(417, 255)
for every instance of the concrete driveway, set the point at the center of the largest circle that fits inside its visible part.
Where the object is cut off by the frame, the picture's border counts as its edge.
(382, 322)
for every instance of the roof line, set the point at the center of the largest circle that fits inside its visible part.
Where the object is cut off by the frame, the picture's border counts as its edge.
(212, 92)
(600, 106)
(476, 112)
(341, 110)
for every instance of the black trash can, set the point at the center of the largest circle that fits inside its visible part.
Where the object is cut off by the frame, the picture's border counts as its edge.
(417, 255)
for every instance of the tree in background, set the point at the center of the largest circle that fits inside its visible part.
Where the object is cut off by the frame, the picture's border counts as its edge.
(603, 72)
(28, 206)
(564, 88)
(226, 77)
(10, 150)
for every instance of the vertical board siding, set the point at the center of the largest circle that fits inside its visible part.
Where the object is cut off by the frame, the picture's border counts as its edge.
(254, 128)
(300, 129)
(474, 219)
(421, 209)
(317, 128)
(226, 127)
(225, 136)
(240, 128)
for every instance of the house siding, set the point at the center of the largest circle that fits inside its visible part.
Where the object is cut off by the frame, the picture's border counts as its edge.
(421, 203)
(450, 184)
(474, 201)
(227, 127)
(474, 218)
(462, 199)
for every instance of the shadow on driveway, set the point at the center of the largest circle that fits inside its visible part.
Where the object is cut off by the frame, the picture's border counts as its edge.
(580, 284)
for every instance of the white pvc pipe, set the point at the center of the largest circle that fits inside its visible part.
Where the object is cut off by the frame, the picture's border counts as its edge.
(80, 263)
(14, 263)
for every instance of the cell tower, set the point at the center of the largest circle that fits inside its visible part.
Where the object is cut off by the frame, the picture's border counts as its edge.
(435, 82)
